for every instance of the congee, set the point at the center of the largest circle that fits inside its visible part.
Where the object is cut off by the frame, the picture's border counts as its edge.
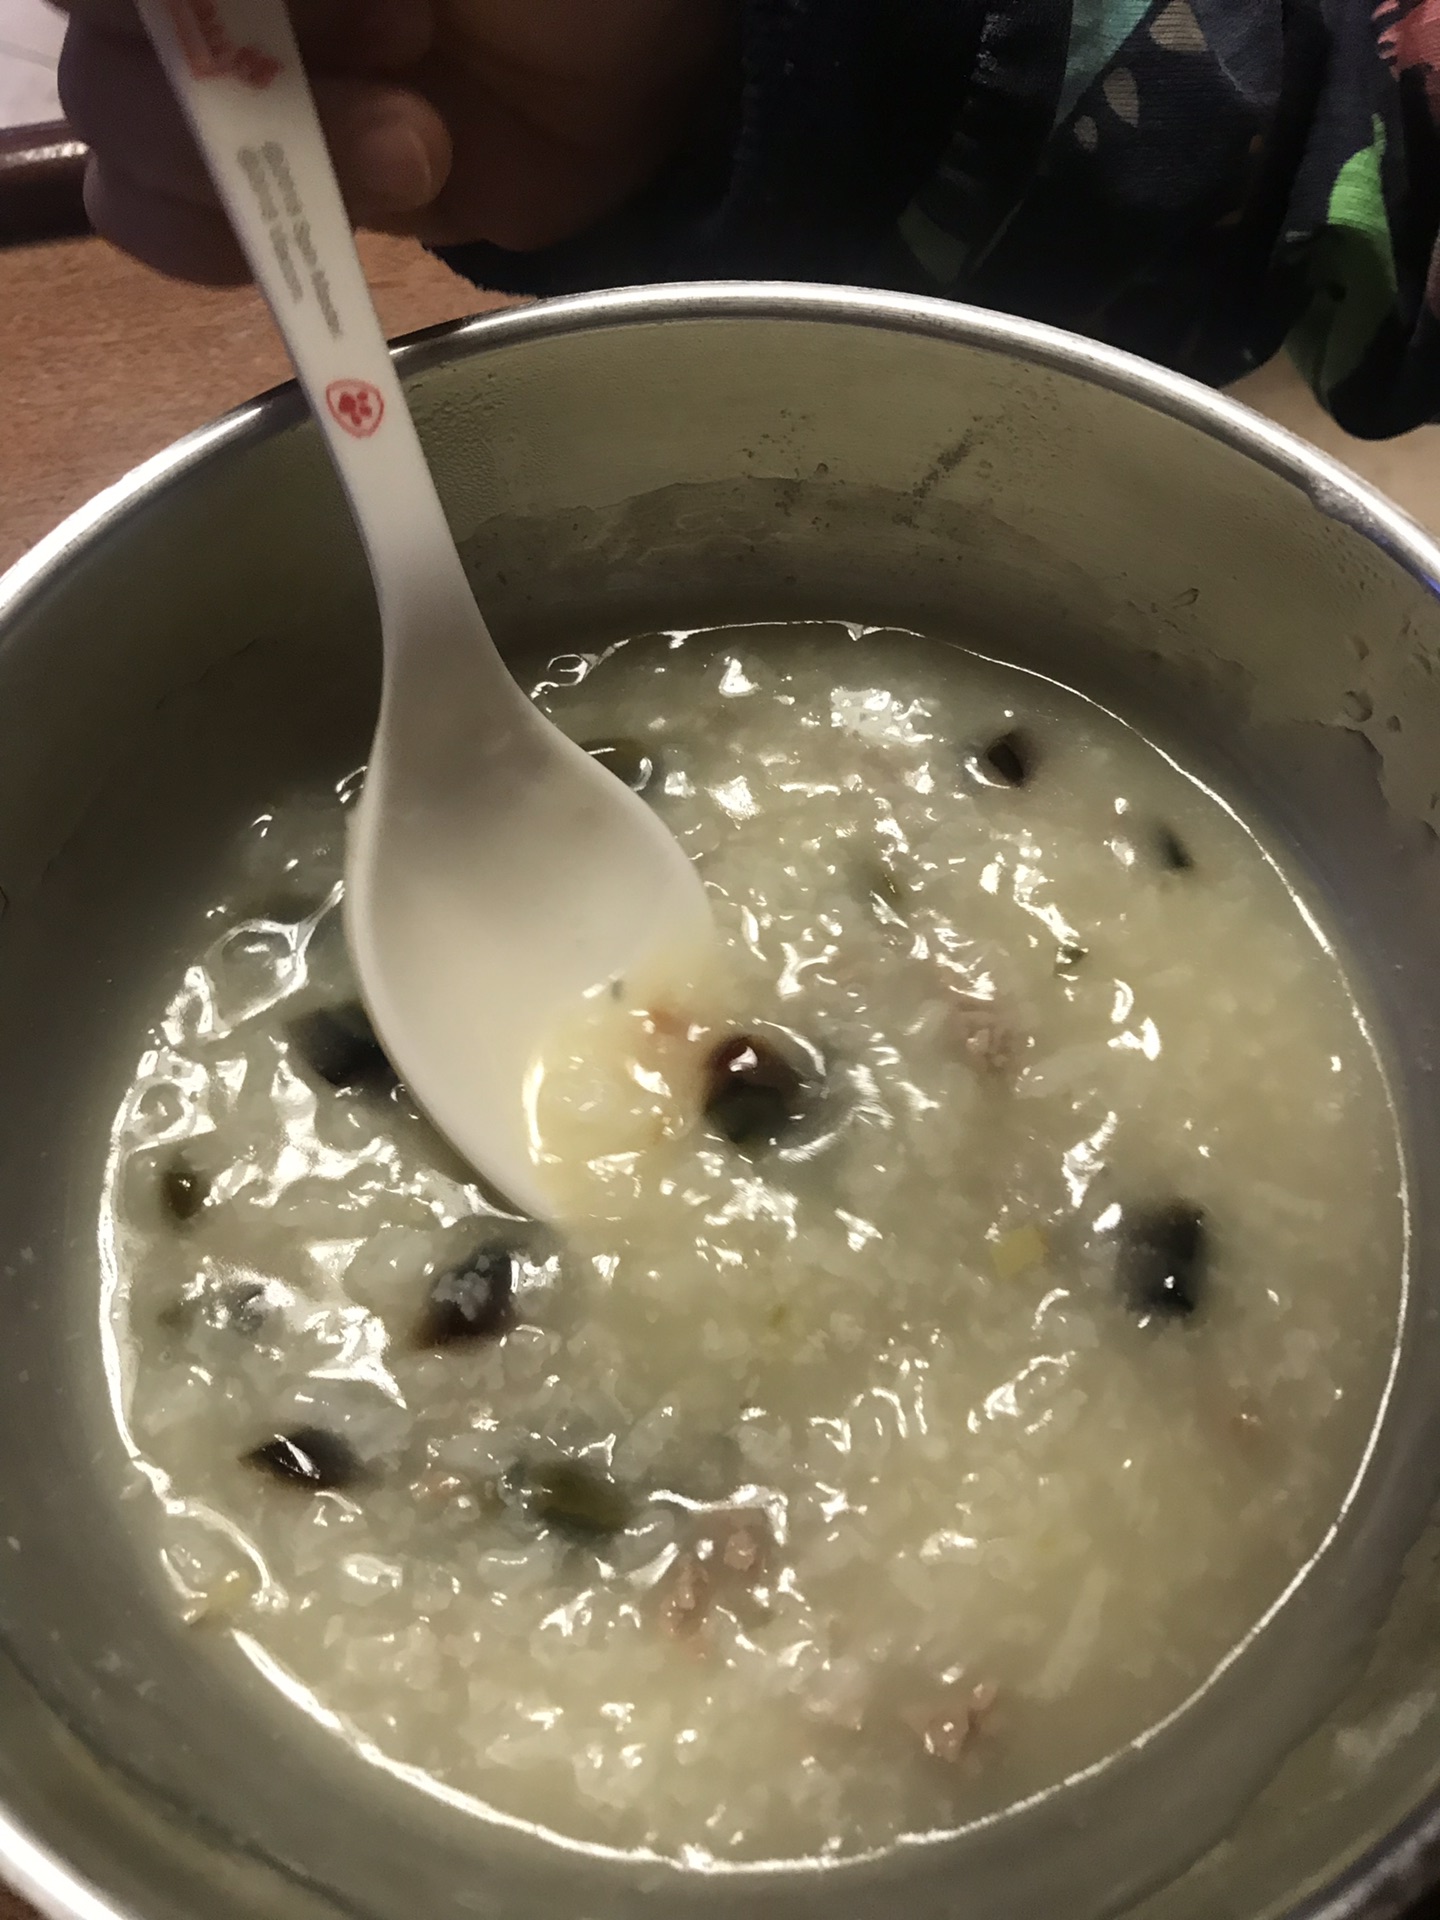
(969, 1318)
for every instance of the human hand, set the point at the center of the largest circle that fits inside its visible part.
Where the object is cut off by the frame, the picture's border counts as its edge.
(520, 122)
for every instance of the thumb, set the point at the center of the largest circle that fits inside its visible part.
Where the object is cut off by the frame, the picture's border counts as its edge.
(148, 190)
(348, 35)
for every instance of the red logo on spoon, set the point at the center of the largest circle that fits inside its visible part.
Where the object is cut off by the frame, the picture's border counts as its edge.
(209, 50)
(357, 405)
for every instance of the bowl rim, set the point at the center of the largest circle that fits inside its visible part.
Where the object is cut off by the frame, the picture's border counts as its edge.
(1381, 1882)
(1334, 489)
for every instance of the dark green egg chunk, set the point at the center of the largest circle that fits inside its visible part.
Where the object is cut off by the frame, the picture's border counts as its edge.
(184, 1190)
(310, 1457)
(1172, 852)
(753, 1094)
(472, 1301)
(629, 760)
(1009, 760)
(1164, 1258)
(580, 1501)
(339, 1045)
(245, 1307)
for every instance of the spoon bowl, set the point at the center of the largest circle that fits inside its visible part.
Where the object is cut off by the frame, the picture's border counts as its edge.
(496, 873)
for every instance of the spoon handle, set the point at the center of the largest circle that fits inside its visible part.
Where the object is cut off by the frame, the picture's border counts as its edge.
(238, 73)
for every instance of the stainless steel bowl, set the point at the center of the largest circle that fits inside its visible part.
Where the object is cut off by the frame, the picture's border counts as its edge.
(202, 633)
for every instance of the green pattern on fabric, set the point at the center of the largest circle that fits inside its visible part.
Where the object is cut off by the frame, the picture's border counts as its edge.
(1098, 30)
(1352, 274)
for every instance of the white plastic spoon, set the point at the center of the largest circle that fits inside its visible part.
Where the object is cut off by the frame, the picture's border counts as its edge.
(496, 874)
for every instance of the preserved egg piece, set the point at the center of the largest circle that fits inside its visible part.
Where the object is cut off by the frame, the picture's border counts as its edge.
(180, 1314)
(1070, 957)
(340, 1046)
(580, 1501)
(311, 1457)
(629, 760)
(1009, 760)
(1164, 1254)
(244, 1308)
(184, 1190)
(1172, 852)
(753, 1094)
(472, 1301)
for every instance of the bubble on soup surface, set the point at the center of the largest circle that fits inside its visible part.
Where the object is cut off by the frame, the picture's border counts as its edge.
(158, 1109)
(252, 967)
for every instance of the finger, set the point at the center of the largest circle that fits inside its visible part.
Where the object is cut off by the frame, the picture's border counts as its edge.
(510, 185)
(376, 34)
(515, 183)
(172, 236)
(390, 147)
(118, 101)
(112, 16)
(561, 109)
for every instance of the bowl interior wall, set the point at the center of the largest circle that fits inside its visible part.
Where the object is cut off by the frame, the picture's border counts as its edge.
(215, 645)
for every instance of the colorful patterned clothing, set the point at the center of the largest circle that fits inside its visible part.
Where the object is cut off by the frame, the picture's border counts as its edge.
(1200, 181)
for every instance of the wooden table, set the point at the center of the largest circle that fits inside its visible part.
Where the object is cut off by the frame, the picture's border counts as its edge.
(105, 364)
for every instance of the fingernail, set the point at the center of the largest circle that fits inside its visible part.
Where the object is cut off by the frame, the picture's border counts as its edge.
(392, 167)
